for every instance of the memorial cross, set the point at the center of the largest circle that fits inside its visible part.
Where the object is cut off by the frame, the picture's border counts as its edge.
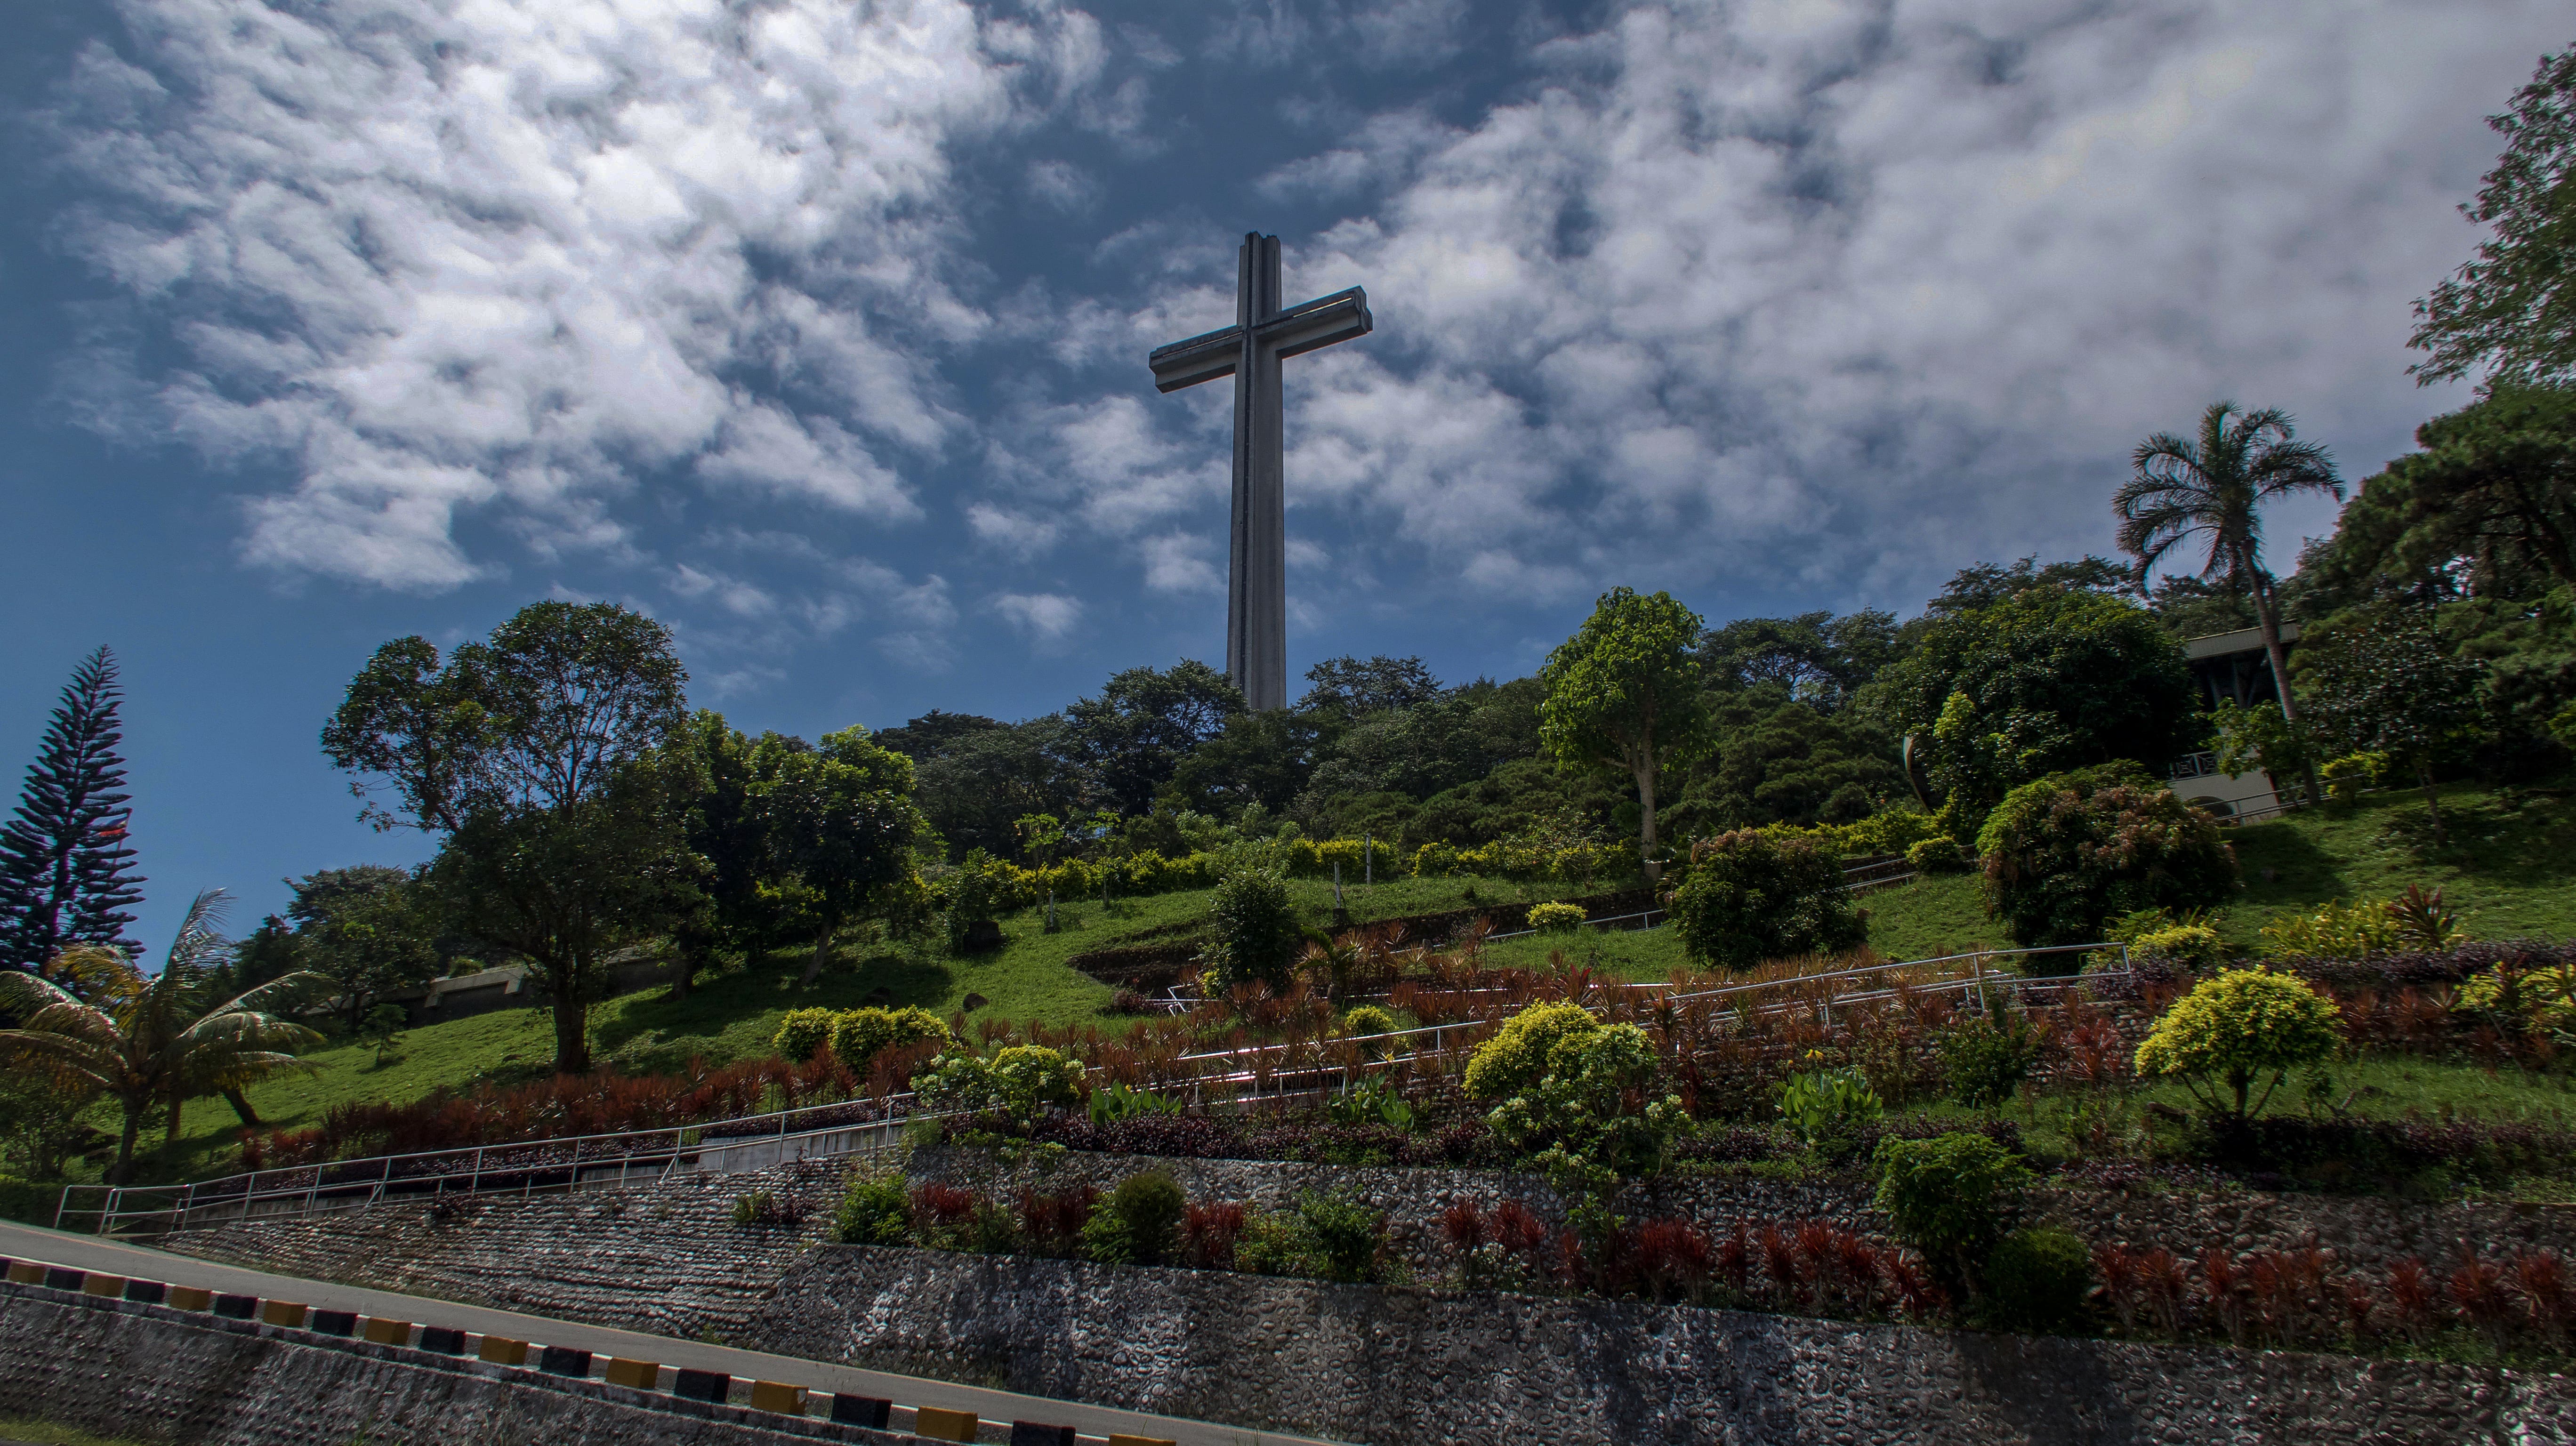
(1264, 334)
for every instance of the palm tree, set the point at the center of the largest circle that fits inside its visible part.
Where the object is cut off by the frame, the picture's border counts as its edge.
(2216, 486)
(152, 1040)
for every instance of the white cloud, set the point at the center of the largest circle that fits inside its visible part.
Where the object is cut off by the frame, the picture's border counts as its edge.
(507, 258)
(1177, 562)
(1019, 535)
(1045, 617)
(1063, 185)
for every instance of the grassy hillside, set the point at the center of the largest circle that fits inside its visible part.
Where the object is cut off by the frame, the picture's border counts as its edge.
(2510, 861)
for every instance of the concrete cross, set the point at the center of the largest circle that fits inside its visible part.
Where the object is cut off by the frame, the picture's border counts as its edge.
(1264, 334)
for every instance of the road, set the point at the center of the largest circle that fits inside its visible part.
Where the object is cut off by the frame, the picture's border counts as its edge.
(117, 1257)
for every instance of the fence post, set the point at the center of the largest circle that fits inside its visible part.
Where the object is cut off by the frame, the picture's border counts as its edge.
(1977, 971)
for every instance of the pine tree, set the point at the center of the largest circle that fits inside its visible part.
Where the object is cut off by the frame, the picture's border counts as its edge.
(64, 865)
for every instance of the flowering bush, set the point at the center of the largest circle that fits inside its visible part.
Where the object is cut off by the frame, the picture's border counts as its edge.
(1588, 1121)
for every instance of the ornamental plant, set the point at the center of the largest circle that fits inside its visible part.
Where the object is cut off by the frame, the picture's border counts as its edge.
(875, 1210)
(1556, 918)
(1017, 1083)
(2532, 1001)
(1588, 1122)
(2233, 1030)
(1828, 1108)
(803, 1031)
(2066, 854)
(2337, 930)
(1140, 1222)
(1948, 1197)
(1757, 895)
(1256, 930)
(1516, 1057)
(860, 1035)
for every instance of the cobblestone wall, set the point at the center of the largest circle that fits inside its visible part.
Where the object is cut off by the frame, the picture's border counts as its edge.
(1403, 1367)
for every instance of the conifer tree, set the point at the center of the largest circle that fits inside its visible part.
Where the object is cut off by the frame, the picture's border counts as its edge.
(65, 869)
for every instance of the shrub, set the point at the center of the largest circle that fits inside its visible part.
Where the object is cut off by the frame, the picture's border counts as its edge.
(1114, 1101)
(859, 1035)
(1052, 1225)
(1948, 1197)
(1345, 1234)
(1516, 1057)
(2068, 853)
(1829, 1108)
(1366, 1020)
(761, 1207)
(1140, 1222)
(874, 1210)
(1987, 1061)
(1556, 918)
(28, 1201)
(2530, 1000)
(1940, 854)
(2237, 1027)
(1755, 896)
(2194, 946)
(2036, 1280)
(803, 1031)
(1589, 1118)
(2347, 776)
(1019, 1081)
(2422, 922)
(1256, 930)
(2335, 931)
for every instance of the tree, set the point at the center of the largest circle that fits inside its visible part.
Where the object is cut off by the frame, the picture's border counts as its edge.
(1624, 693)
(840, 818)
(65, 867)
(2493, 492)
(369, 930)
(1144, 723)
(151, 1042)
(1753, 897)
(2214, 488)
(1256, 938)
(1985, 585)
(1347, 689)
(2386, 683)
(1816, 658)
(2512, 310)
(977, 788)
(1262, 758)
(2051, 678)
(1784, 762)
(546, 756)
(2235, 1029)
(2067, 853)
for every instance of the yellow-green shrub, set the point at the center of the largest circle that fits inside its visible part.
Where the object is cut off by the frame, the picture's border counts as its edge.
(2347, 776)
(2234, 1029)
(1556, 917)
(1516, 1057)
(859, 1035)
(2196, 945)
(1366, 1020)
(2336, 931)
(803, 1031)
(2536, 999)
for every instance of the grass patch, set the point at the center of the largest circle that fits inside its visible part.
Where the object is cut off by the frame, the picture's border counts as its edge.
(2509, 862)
(15, 1430)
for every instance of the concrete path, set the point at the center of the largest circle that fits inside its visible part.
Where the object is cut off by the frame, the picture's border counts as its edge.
(117, 1257)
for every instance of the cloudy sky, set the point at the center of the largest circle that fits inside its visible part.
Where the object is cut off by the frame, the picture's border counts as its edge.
(817, 328)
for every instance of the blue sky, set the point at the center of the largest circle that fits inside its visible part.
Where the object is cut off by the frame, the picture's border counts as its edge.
(818, 329)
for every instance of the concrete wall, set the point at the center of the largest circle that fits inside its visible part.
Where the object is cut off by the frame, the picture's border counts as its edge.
(145, 1373)
(1405, 1367)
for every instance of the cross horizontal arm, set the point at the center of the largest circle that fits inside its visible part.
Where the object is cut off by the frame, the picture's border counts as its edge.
(1308, 326)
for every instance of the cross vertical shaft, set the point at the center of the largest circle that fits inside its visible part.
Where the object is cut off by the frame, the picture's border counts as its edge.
(1256, 605)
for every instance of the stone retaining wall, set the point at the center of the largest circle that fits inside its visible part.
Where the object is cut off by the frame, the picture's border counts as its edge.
(1403, 1367)
(144, 1373)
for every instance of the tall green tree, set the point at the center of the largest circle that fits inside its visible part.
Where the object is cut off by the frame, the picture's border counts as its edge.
(2213, 487)
(65, 863)
(1624, 693)
(840, 818)
(1145, 721)
(551, 759)
(371, 930)
(2387, 683)
(150, 1042)
(2512, 311)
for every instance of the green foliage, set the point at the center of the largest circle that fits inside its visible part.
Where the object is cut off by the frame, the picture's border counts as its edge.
(860, 1035)
(1556, 918)
(2424, 922)
(1624, 693)
(2234, 1029)
(1779, 761)
(28, 1202)
(383, 1028)
(875, 1210)
(1986, 1060)
(981, 887)
(1829, 1108)
(1112, 1102)
(2259, 739)
(2537, 1001)
(1257, 938)
(1589, 1121)
(1139, 1223)
(1365, 1020)
(837, 817)
(2066, 854)
(2036, 1280)
(2509, 312)
(1756, 896)
(1516, 1057)
(370, 930)
(2385, 681)
(1145, 721)
(1018, 1082)
(1328, 1236)
(2334, 930)
(2195, 946)
(1938, 855)
(67, 854)
(1948, 1197)
(40, 1120)
(2345, 777)
(1370, 1101)
(804, 1031)
(2050, 679)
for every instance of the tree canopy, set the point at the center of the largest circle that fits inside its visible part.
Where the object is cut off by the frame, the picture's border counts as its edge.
(1624, 693)
(2512, 311)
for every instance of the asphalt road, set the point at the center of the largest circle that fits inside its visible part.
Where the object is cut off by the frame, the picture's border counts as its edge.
(117, 1257)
